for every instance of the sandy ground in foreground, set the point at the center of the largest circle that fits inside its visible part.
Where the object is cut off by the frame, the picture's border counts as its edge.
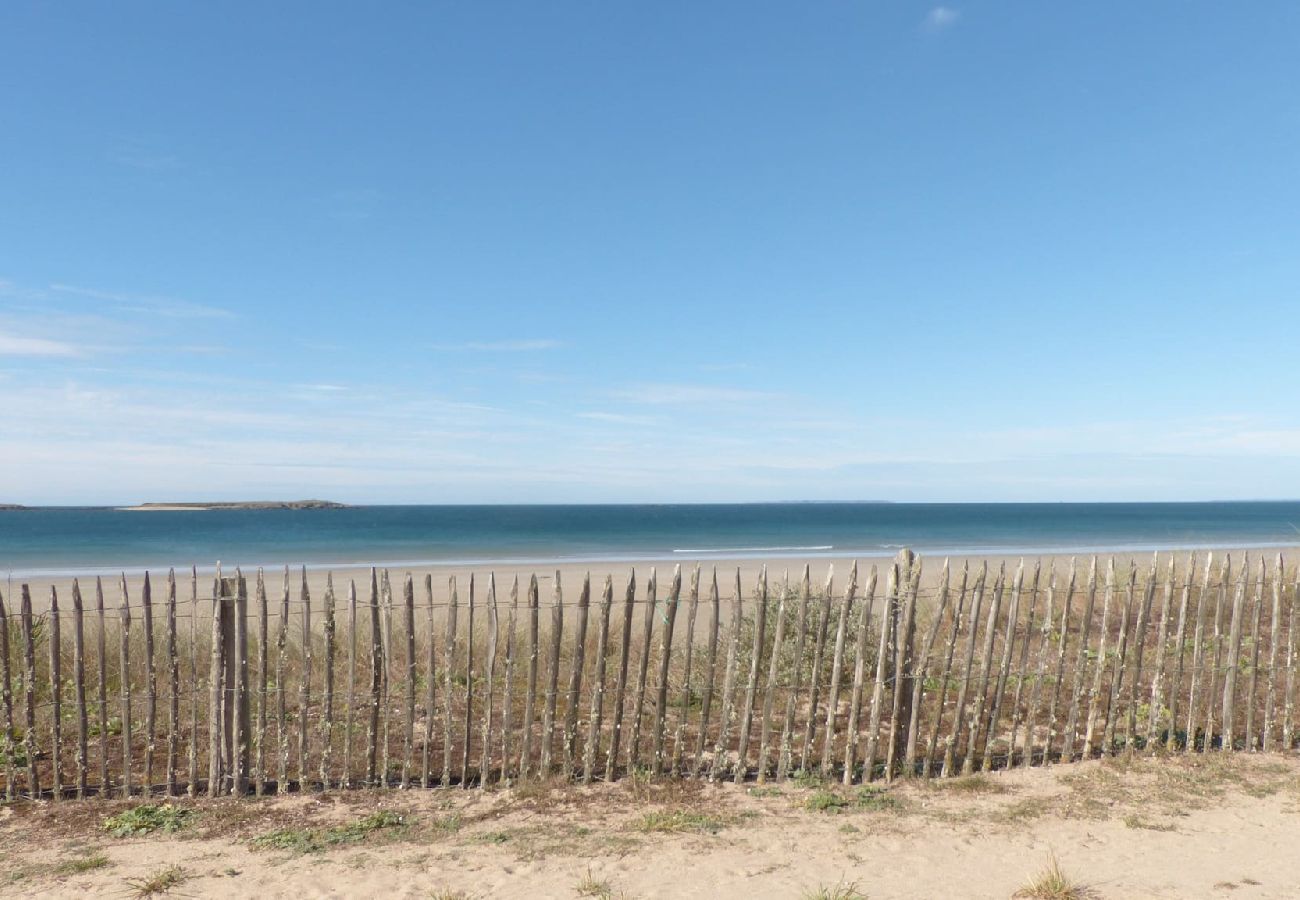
(1181, 828)
(572, 574)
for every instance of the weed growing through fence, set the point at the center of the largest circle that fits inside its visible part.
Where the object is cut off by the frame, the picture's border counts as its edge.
(158, 882)
(148, 818)
(1053, 884)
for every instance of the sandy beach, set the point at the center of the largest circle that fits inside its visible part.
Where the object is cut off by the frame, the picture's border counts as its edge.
(1185, 827)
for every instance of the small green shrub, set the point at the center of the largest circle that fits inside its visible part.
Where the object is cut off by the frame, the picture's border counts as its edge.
(148, 818)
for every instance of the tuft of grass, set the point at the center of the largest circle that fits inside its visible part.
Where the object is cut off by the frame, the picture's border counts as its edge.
(838, 891)
(590, 886)
(157, 882)
(83, 864)
(450, 894)
(1134, 820)
(678, 821)
(300, 841)
(148, 818)
(1052, 883)
(867, 798)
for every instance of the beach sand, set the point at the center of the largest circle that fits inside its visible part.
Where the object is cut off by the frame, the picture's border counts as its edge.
(1186, 827)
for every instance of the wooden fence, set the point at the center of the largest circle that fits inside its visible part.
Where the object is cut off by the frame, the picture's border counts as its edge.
(869, 677)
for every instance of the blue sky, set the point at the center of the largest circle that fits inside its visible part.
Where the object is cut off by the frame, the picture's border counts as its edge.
(492, 252)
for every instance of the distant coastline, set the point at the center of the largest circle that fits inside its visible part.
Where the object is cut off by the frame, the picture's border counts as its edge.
(12, 506)
(240, 504)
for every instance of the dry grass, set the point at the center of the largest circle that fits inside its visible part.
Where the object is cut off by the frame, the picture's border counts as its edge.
(1052, 883)
(158, 882)
(838, 891)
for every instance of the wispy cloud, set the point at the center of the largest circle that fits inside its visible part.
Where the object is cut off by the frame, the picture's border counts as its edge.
(14, 345)
(691, 394)
(160, 306)
(511, 346)
(941, 17)
(618, 418)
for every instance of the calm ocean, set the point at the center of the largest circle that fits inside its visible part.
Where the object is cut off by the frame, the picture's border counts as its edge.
(71, 539)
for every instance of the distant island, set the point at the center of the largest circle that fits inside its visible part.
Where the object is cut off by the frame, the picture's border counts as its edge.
(13, 506)
(240, 504)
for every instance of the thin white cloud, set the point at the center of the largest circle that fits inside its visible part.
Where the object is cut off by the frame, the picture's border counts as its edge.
(617, 418)
(512, 346)
(14, 345)
(160, 306)
(941, 17)
(691, 394)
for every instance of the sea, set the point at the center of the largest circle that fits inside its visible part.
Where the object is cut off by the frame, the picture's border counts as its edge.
(68, 540)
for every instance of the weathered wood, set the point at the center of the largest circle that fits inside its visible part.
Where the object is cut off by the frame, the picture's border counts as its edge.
(570, 736)
(842, 614)
(1004, 669)
(7, 701)
(29, 694)
(196, 698)
(239, 693)
(430, 684)
(1139, 641)
(1198, 641)
(859, 670)
(1253, 686)
(150, 685)
(327, 690)
(1058, 681)
(263, 680)
(792, 695)
(1180, 642)
(56, 697)
(1022, 674)
(507, 690)
(685, 707)
(643, 669)
(597, 715)
(1099, 677)
(751, 688)
(884, 659)
(620, 684)
(815, 680)
(530, 696)
(1234, 657)
(985, 673)
(467, 725)
(1045, 653)
(968, 663)
(1221, 609)
(449, 674)
(216, 685)
(171, 639)
(1158, 701)
(408, 730)
(386, 680)
(349, 716)
(1274, 636)
(1078, 691)
(124, 632)
(904, 663)
(922, 670)
(1119, 674)
(718, 763)
(281, 714)
(945, 677)
(552, 676)
(665, 661)
(485, 758)
(373, 776)
(1288, 702)
(304, 687)
(769, 691)
(78, 679)
(710, 674)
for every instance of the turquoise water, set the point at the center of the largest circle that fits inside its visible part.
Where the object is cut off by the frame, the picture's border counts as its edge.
(72, 539)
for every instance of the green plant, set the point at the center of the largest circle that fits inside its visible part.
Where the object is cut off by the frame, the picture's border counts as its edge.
(80, 865)
(678, 821)
(315, 840)
(147, 818)
(590, 886)
(158, 882)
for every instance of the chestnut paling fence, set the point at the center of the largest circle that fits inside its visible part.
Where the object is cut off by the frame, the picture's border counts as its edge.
(869, 677)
